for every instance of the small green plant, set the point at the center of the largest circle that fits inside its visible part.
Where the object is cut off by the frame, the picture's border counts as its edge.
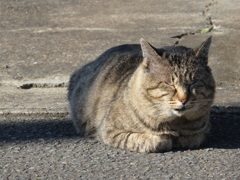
(206, 30)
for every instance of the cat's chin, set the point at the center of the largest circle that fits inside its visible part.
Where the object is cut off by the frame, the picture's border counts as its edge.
(178, 113)
(188, 114)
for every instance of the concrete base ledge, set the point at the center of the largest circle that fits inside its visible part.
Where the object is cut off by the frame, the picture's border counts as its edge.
(52, 102)
(56, 114)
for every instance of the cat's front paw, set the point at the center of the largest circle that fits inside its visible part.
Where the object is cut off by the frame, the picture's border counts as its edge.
(161, 143)
(191, 142)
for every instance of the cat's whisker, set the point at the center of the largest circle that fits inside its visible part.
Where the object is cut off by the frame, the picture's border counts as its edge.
(160, 102)
(202, 107)
(155, 111)
(159, 113)
(171, 101)
(162, 114)
(202, 100)
(156, 105)
(153, 108)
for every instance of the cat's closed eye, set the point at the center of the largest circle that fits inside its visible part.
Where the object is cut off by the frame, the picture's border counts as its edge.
(161, 91)
(198, 89)
(157, 93)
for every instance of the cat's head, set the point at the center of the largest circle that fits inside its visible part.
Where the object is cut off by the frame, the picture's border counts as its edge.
(178, 78)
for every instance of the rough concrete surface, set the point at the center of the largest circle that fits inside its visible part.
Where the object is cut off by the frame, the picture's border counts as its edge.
(43, 42)
(49, 149)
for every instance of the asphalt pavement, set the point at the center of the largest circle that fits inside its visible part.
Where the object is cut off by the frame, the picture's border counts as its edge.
(50, 149)
(43, 42)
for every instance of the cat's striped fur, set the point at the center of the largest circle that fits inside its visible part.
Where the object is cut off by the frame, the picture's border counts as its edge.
(144, 99)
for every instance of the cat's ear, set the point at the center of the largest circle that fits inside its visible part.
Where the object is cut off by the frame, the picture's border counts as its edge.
(202, 51)
(154, 63)
(149, 54)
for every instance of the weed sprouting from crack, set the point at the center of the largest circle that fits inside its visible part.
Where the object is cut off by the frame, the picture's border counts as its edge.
(209, 23)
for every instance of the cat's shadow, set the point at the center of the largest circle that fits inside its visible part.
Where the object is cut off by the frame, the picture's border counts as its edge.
(225, 131)
(35, 130)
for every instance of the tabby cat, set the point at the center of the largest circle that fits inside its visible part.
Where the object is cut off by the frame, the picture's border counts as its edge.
(144, 99)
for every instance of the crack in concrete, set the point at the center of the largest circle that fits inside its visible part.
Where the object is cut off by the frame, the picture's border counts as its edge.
(209, 23)
(207, 7)
(206, 13)
(43, 85)
(180, 36)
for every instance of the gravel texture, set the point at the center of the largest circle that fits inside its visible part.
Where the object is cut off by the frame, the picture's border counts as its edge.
(50, 149)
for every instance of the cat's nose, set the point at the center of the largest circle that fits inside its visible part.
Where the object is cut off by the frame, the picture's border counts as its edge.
(183, 100)
(182, 95)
